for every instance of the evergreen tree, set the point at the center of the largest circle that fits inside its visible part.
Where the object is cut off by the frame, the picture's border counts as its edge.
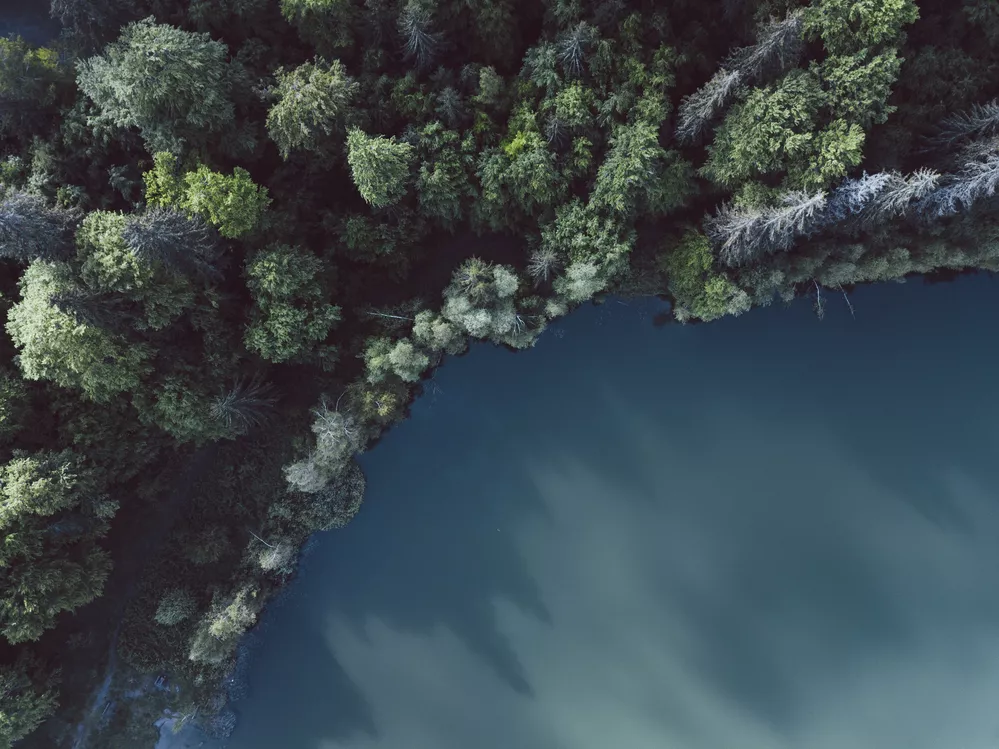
(54, 346)
(291, 313)
(312, 101)
(379, 166)
(173, 85)
(50, 516)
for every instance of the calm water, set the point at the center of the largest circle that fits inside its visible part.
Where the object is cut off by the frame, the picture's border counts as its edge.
(766, 533)
(29, 19)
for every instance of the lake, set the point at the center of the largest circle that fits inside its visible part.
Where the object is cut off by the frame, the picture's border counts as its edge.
(769, 532)
(29, 19)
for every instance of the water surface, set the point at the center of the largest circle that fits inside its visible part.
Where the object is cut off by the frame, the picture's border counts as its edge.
(767, 533)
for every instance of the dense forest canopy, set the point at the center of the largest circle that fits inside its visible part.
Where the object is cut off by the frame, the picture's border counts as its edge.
(215, 214)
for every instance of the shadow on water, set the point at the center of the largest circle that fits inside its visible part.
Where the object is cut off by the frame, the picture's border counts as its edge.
(736, 534)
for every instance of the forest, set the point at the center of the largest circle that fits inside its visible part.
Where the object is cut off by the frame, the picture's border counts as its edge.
(236, 235)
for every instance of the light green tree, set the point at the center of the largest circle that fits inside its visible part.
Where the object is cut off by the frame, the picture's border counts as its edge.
(379, 166)
(847, 26)
(291, 312)
(234, 204)
(312, 101)
(54, 345)
(173, 85)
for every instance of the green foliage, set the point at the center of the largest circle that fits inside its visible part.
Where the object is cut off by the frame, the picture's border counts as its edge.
(233, 203)
(54, 346)
(176, 605)
(291, 313)
(593, 249)
(173, 85)
(312, 101)
(29, 81)
(442, 182)
(109, 266)
(847, 26)
(383, 357)
(24, 703)
(13, 405)
(639, 175)
(50, 515)
(859, 86)
(221, 628)
(768, 131)
(698, 291)
(379, 166)
(334, 505)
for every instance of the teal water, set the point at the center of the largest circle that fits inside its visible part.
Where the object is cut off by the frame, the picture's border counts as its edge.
(767, 533)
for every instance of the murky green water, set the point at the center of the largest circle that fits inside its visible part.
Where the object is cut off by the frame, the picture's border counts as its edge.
(766, 533)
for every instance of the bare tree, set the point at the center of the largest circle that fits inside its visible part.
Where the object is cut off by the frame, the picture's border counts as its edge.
(185, 244)
(543, 264)
(982, 120)
(746, 234)
(778, 47)
(699, 108)
(246, 405)
(30, 228)
(573, 46)
(420, 44)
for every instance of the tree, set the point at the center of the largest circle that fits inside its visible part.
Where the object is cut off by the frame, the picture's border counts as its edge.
(173, 85)
(184, 244)
(245, 405)
(744, 234)
(312, 100)
(110, 267)
(13, 405)
(698, 291)
(847, 26)
(481, 301)
(223, 625)
(859, 86)
(24, 703)
(339, 437)
(766, 132)
(593, 249)
(30, 229)
(639, 175)
(55, 346)
(334, 505)
(234, 204)
(442, 182)
(379, 166)
(51, 514)
(419, 42)
(384, 357)
(434, 333)
(29, 81)
(699, 108)
(176, 605)
(290, 314)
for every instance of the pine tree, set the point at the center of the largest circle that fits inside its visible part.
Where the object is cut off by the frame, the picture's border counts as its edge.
(379, 166)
